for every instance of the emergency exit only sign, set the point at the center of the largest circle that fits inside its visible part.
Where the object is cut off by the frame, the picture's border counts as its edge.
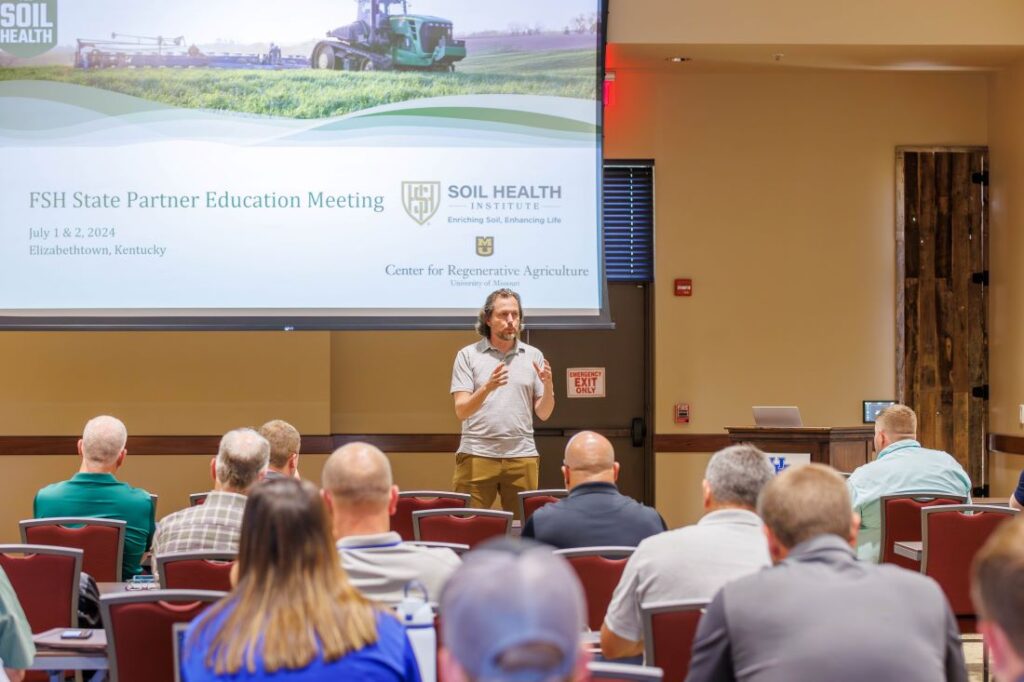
(584, 382)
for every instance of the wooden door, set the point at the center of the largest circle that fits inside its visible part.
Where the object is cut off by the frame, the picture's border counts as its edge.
(623, 414)
(942, 272)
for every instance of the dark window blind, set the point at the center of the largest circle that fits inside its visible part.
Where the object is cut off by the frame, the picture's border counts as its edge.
(629, 221)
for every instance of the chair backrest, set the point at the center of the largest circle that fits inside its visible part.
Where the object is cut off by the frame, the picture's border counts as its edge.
(155, 499)
(46, 581)
(419, 500)
(599, 570)
(456, 547)
(196, 570)
(196, 499)
(139, 628)
(102, 540)
(669, 629)
(532, 500)
(950, 536)
(900, 520)
(462, 526)
(613, 672)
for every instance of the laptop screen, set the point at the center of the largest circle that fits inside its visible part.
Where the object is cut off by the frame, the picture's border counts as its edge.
(777, 416)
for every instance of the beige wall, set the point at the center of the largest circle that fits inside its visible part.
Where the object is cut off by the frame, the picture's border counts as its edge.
(867, 22)
(775, 194)
(1006, 301)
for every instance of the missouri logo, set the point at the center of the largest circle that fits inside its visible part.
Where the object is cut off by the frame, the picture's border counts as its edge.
(484, 246)
(421, 200)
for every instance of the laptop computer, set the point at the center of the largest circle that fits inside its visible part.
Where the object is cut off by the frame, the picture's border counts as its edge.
(777, 416)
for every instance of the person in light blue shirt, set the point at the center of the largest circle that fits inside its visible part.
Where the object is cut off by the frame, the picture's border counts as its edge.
(901, 467)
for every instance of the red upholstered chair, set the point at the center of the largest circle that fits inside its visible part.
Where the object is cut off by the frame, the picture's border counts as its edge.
(669, 629)
(419, 500)
(532, 500)
(196, 499)
(102, 540)
(950, 537)
(196, 570)
(901, 522)
(45, 579)
(623, 672)
(462, 526)
(599, 570)
(139, 627)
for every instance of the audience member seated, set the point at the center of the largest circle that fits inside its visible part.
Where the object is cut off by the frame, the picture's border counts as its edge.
(902, 466)
(695, 561)
(293, 613)
(1017, 498)
(594, 513)
(513, 611)
(361, 498)
(284, 442)
(16, 647)
(215, 524)
(997, 577)
(95, 492)
(819, 614)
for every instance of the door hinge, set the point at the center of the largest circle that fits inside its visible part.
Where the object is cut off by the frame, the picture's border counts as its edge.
(980, 178)
(980, 392)
(980, 278)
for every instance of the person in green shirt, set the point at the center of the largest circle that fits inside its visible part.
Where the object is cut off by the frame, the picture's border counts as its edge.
(16, 647)
(96, 493)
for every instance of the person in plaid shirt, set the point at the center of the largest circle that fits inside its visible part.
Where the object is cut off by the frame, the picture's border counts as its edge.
(215, 524)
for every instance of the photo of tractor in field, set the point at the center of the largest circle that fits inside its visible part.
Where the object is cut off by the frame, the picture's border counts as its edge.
(380, 40)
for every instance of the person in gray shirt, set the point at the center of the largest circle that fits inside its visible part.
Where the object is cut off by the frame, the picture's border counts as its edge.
(695, 561)
(818, 613)
(498, 384)
(360, 497)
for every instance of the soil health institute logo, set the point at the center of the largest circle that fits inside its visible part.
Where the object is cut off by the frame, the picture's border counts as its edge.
(28, 29)
(421, 199)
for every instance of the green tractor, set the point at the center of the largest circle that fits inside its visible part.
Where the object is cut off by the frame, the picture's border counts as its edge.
(380, 40)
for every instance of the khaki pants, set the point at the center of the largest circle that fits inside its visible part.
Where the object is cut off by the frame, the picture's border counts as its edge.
(485, 477)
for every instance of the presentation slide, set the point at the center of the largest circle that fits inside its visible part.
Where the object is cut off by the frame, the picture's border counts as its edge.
(315, 160)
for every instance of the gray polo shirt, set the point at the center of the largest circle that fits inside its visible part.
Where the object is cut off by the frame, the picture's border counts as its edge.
(503, 426)
(692, 562)
(380, 566)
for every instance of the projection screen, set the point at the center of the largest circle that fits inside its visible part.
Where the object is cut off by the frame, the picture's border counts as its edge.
(315, 164)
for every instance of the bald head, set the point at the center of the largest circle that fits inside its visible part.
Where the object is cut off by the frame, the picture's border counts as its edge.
(103, 439)
(358, 474)
(589, 457)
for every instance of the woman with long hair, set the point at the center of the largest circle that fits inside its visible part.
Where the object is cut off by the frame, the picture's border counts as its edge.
(292, 614)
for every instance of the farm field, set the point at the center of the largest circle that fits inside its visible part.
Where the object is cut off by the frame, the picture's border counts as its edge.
(312, 94)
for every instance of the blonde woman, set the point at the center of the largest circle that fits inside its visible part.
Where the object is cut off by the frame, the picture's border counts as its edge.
(293, 614)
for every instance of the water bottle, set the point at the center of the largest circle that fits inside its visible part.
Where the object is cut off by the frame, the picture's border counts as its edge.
(417, 615)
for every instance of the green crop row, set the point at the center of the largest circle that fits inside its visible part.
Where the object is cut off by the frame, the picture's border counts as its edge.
(311, 94)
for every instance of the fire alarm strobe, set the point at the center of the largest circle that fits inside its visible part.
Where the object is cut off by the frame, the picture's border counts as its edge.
(684, 287)
(682, 413)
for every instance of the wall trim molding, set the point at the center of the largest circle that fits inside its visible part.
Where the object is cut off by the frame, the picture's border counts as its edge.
(388, 442)
(1004, 442)
(691, 442)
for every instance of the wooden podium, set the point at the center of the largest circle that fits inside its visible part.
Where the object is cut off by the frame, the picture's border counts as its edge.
(843, 447)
